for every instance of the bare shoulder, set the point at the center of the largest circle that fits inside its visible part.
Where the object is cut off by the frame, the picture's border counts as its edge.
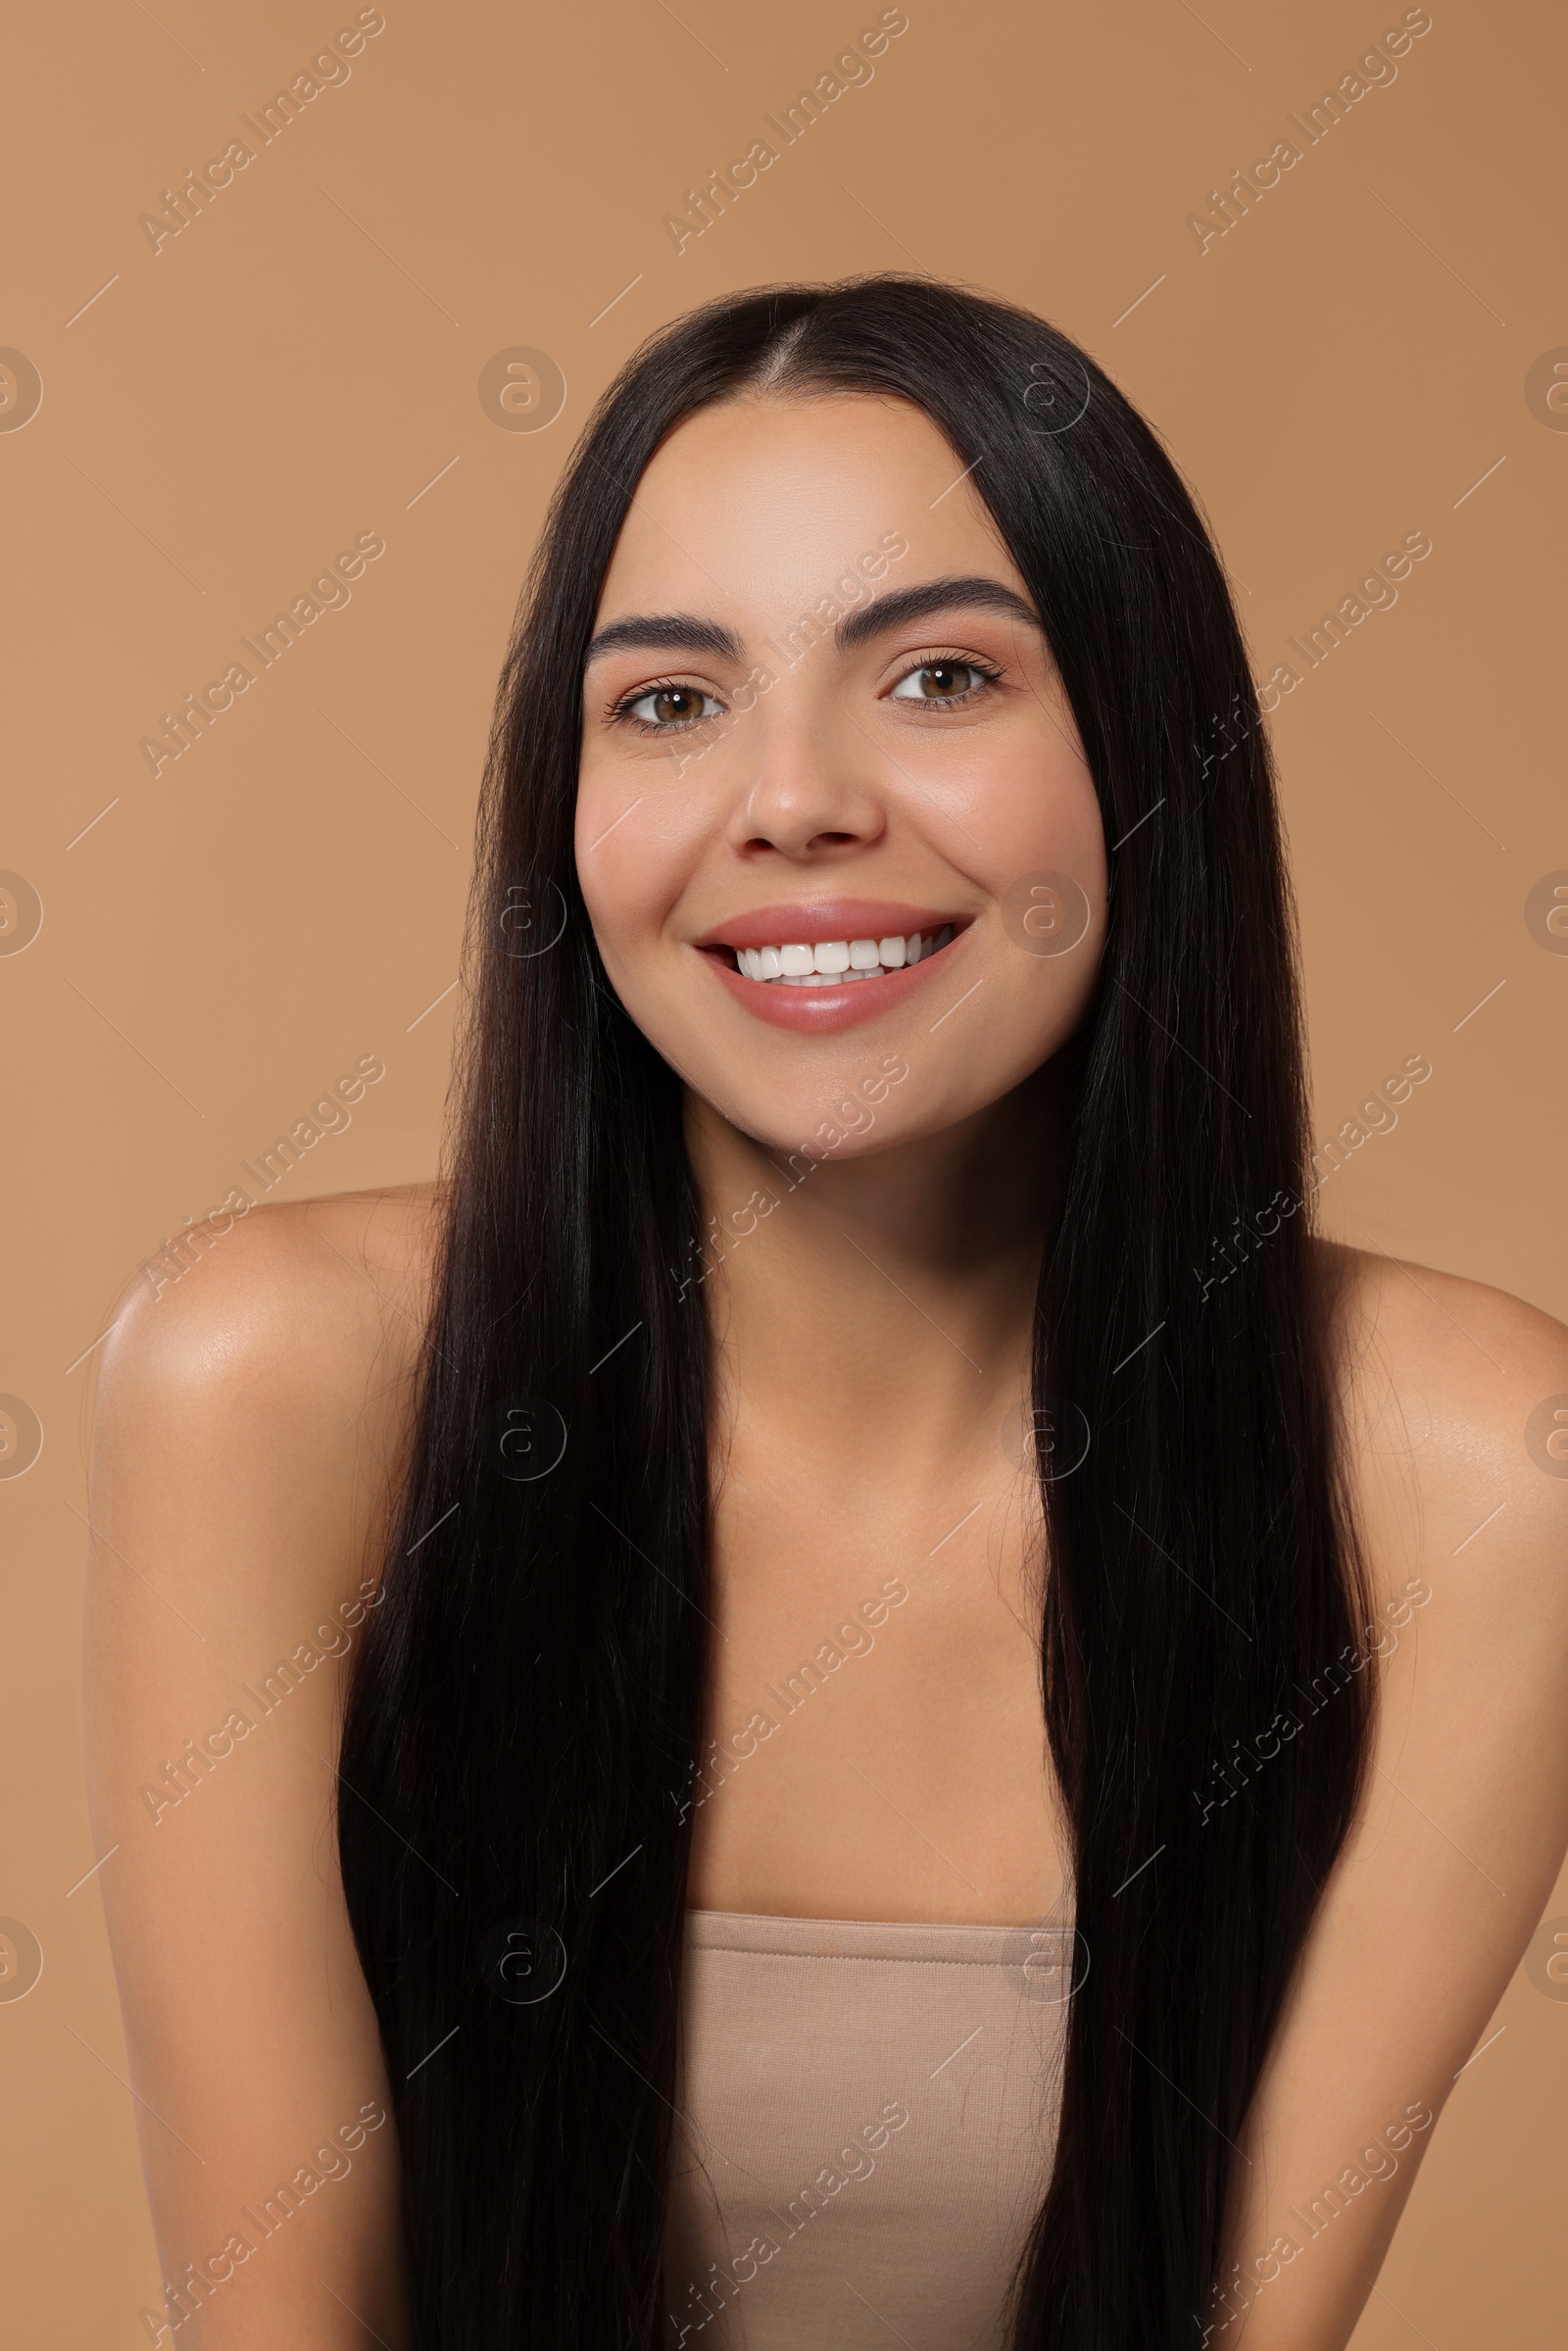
(308, 1284)
(1455, 1399)
(285, 1350)
(1456, 1427)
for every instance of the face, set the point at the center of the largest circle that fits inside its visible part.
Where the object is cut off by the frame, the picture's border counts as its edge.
(835, 831)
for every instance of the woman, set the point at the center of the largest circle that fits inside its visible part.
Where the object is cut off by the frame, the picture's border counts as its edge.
(864, 1437)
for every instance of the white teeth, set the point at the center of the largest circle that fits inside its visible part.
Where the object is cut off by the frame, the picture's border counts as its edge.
(831, 963)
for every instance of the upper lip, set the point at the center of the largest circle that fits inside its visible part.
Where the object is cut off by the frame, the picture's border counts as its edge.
(807, 921)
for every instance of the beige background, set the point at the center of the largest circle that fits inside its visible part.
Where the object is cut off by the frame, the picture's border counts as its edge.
(300, 365)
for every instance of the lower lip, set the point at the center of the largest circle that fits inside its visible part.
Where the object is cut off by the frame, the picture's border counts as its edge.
(824, 1012)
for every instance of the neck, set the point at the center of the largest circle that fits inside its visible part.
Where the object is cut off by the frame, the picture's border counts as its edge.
(883, 1310)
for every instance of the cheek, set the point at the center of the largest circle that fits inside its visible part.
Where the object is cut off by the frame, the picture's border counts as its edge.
(1044, 864)
(638, 837)
(1036, 810)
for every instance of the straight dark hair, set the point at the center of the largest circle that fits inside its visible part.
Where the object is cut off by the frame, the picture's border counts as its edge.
(527, 1709)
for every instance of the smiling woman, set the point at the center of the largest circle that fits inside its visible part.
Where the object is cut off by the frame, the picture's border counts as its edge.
(970, 901)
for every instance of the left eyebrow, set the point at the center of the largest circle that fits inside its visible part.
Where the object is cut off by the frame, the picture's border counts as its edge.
(973, 593)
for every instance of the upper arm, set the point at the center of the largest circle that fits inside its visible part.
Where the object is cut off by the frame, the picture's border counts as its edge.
(1464, 1821)
(247, 1422)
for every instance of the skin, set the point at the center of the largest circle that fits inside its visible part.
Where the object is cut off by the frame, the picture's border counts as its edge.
(873, 1326)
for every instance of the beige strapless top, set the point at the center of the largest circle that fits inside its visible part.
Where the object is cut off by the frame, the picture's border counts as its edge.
(867, 2117)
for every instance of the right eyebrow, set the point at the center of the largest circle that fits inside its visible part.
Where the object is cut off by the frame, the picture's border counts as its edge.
(901, 607)
(662, 632)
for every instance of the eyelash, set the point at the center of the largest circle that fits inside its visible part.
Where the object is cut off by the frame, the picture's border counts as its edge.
(619, 712)
(985, 671)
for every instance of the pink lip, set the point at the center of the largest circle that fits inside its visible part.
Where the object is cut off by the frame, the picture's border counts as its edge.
(805, 920)
(824, 1012)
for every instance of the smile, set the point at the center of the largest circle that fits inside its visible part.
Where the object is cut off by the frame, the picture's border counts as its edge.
(829, 963)
(804, 965)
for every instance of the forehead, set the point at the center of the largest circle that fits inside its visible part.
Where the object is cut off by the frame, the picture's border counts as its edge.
(760, 503)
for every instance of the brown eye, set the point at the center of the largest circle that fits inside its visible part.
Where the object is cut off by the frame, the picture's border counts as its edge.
(940, 681)
(672, 706)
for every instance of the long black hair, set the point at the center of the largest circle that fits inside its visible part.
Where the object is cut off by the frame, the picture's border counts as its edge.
(527, 1707)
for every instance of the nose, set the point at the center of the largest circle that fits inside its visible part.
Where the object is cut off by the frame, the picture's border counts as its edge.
(809, 795)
